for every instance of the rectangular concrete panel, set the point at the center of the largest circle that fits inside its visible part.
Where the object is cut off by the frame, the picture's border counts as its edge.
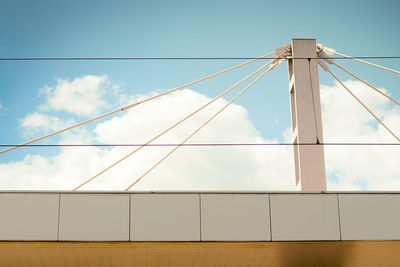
(94, 217)
(370, 216)
(28, 216)
(304, 217)
(235, 217)
(165, 217)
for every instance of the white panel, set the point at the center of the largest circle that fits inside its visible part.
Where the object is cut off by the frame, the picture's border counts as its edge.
(304, 217)
(28, 216)
(235, 217)
(165, 217)
(94, 217)
(370, 217)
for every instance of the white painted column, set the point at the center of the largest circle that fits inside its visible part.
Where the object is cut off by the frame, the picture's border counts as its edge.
(306, 116)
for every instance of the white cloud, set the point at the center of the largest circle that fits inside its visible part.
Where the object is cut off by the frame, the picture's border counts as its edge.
(35, 123)
(345, 120)
(237, 168)
(81, 96)
(225, 168)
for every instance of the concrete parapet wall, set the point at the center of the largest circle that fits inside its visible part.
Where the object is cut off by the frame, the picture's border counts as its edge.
(198, 216)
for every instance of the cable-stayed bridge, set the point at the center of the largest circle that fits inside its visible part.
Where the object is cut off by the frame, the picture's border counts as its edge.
(312, 214)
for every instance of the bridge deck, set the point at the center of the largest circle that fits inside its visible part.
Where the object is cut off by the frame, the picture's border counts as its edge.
(198, 216)
(323, 229)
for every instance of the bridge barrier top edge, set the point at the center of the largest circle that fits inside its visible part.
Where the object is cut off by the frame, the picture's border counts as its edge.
(189, 192)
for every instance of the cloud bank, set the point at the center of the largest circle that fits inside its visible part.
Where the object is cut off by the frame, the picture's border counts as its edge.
(81, 96)
(345, 120)
(204, 168)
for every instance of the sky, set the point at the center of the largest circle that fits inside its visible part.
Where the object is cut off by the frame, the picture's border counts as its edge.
(38, 97)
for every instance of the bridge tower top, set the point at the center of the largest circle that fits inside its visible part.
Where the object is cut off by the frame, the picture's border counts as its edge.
(306, 115)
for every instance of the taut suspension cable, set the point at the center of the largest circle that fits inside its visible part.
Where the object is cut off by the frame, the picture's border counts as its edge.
(173, 126)
(365, 62)
(366, 83)
(353, 95)
(204, 124)
(135, 104)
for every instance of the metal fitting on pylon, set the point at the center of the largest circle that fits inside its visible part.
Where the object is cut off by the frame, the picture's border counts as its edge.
(327, 50)
(284, 51)
(322, 52)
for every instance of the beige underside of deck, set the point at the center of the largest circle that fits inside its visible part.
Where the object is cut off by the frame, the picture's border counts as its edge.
(326, 253)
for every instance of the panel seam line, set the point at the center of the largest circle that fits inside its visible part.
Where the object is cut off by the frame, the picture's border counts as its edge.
(201, 238)
(270, 218)
(59, 216)
(340, 225)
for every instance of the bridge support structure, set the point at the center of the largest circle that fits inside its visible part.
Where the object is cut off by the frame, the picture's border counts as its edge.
(306, 116)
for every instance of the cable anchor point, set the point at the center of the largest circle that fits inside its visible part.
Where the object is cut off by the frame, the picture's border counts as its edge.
(282, 53)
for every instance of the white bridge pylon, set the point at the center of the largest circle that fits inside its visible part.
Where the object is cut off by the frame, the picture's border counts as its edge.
(305, 106)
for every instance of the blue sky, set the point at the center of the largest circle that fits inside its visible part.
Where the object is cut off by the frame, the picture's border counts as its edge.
(181, 29)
